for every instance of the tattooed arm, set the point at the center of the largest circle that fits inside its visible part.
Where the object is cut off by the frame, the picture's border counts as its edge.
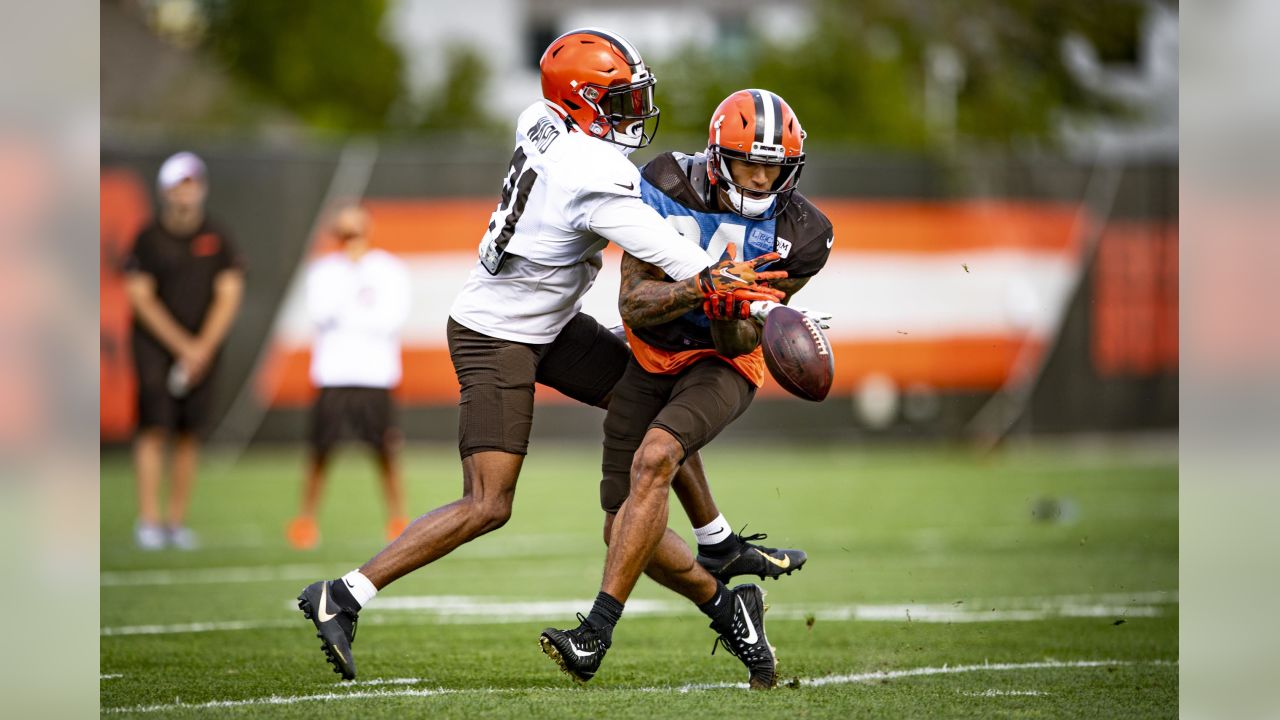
(646, 299)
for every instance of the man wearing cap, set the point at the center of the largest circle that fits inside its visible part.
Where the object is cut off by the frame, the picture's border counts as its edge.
(184, 281)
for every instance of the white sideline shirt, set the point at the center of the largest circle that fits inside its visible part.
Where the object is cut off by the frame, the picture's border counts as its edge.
(357, 309)
(584, 194)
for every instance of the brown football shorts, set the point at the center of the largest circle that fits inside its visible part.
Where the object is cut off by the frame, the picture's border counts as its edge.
(694, 406)
(496, 379)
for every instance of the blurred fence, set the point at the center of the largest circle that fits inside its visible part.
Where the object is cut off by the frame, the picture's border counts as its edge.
(972, 296)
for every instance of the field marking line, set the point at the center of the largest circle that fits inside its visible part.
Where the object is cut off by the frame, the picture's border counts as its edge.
(1004, 693)
(203, 576)
(381, 681)
(848, 679)
(196, 627)
(110, 676)
(479, 610)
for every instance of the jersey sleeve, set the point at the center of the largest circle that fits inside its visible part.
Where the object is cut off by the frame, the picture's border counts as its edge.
(141, 257)
(811, 254)
(641, 231)
(324, 303)
(229, 257)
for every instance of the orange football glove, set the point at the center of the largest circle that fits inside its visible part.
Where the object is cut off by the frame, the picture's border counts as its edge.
(736, 304)
(729, 275)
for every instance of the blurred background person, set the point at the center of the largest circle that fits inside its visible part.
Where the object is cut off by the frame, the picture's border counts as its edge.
(358, 300)
(184, 281)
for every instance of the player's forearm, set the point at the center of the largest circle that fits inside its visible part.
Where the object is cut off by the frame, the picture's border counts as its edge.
(226, 303)
(735, 337)
(653, 302)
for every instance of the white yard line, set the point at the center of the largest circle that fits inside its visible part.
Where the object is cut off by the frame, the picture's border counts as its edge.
(110, 676)
(1005, 693)
(198, 627)
(870, 677)
(381, 681)
(203, 576)
(480, 610)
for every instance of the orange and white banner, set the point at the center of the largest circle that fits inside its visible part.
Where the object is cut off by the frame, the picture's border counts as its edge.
(943, 295)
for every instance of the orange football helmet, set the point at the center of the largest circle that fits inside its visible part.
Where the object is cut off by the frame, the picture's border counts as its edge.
(755, 126)
(597, 81)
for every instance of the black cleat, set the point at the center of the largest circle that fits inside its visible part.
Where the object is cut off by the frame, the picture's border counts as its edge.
(743, 558)
(578, 651)
(335, 626)
(745, 638)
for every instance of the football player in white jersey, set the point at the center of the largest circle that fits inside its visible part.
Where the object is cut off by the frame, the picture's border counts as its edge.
(570, 190)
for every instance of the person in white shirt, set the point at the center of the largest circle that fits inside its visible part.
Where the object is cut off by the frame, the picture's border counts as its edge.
(358, 300)
(569, 191)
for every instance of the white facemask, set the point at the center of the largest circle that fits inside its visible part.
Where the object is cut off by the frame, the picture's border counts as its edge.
(748, 206)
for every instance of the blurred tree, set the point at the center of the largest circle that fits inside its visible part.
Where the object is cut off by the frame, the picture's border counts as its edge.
(455, 105)
(912, 75)
(327, 62)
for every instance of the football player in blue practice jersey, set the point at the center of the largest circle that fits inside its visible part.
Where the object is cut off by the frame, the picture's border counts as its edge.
(697, 364)
(517, 321)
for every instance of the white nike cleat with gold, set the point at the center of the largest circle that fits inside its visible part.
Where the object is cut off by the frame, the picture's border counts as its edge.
(739, 556)
(335, 626)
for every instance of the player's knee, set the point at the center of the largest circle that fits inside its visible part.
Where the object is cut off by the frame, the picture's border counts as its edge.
(493, 513)
(655, 462)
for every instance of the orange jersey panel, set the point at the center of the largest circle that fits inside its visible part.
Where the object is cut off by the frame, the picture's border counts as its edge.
(670, 362)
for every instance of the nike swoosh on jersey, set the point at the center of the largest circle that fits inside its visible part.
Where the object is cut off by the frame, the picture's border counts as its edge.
(578, 652)
(784, 563)
(830, 240)
(628, 186)
(320, 611)
(751, 637)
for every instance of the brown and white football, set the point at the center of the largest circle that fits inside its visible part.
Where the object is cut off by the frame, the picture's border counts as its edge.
(798, 354)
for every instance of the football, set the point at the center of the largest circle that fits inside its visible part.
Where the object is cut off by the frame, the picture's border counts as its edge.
(797, 354)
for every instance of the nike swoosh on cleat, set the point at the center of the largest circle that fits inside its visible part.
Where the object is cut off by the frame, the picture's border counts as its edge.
(751, 637)
(784, 563)
(578, 652)
(321, 613)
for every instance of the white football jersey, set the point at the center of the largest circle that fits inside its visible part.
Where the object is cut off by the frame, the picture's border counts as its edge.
(566, 195)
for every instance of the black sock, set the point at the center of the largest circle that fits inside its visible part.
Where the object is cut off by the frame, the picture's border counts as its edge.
(605, 613)
(719, 608)
(341, 595)
(722, 548)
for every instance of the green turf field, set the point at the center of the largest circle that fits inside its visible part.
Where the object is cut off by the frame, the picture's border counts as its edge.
(936, 586)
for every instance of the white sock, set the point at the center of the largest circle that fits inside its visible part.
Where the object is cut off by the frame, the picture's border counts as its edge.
(361, 589)
(713, 532)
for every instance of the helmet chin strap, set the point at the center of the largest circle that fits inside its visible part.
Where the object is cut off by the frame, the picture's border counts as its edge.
(750, 207)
